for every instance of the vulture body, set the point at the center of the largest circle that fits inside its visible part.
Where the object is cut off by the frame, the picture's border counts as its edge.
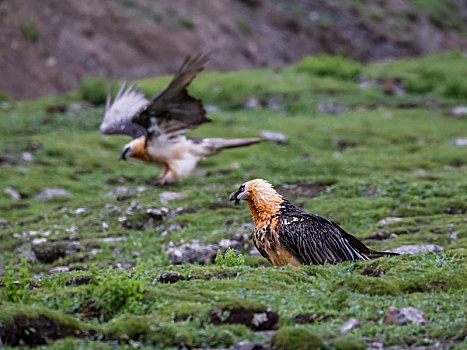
(157, 125)
(286, 235)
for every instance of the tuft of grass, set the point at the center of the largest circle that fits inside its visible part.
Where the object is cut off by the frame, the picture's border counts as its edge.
(94, 89)
(244, 27)
(187, 23)
(30, 31)
(231, 259)
(324, 65)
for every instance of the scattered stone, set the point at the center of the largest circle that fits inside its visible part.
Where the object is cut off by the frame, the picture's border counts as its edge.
(352, 323)
(453, 235)
(12, 193)
(404, 315)
(170, 228)
(113, 210)
(274, 136)
(211, 108)
(307, 318)
(27, 157)
(190, 253)
(125, 191)
(59, 269)
(461, 141)
(95, 251)
(112, 239)
(105, 225)
(36, 241)
(3, 222)
(230, 243)
(417, 249)
(49, 193)
(166, 197)
(258, 321)
(169, 277)
(80, 210)
(332, 108)
(253, 102)
(389, 220)
(76, 106)
(459, 111)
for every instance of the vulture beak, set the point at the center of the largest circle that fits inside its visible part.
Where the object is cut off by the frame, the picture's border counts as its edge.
(124, 152)
(233, 197)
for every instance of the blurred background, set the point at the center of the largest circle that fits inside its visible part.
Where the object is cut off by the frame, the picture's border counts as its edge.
(49, 46)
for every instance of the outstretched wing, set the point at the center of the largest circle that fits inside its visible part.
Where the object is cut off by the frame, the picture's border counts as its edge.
(119, 113)
(316, 240)
(173, 110)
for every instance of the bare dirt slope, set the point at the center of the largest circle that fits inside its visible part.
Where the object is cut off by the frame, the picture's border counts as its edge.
(47, 46)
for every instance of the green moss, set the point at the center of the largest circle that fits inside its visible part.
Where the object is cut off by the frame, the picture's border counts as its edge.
(30, 31)
(94, 89)
(332, 66)
(348, 343)
(290, 338)
(369, 285)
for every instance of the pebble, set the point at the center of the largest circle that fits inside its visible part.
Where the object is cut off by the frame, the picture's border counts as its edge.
(49, 193)
(12, 193)
(389, 220)
(274, 136)
(459, 111)
(417, 249)
(59, 269)
(352, 323)
(404, 315)
(166, 197)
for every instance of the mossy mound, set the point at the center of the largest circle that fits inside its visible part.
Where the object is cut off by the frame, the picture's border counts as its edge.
(26, 325)
(290, 338)
(348, 343)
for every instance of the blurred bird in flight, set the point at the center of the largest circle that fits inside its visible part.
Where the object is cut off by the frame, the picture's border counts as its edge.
(157, 125)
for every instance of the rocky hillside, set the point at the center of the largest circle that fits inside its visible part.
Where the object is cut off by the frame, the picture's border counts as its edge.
(48, 46)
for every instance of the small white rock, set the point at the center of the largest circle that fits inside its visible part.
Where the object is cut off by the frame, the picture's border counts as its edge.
(417, 249)
(389, 220)
(166, 197)
(39, 240)
(59, 269)
(459, 110)
(12, 193)
(461, 141)
(352, 323)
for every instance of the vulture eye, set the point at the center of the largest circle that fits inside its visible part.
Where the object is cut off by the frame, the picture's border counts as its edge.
(242, 188)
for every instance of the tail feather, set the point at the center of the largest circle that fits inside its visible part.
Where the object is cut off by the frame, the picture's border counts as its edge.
(375, 254)
(216, 144)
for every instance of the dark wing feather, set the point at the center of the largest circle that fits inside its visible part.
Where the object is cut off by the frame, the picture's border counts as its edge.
(119, 113)
(316, 240)
(173, 110)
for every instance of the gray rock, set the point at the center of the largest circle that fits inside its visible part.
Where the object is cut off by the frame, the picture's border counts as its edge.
(59, 269)
(170, 228)
(253, 102)
(122, 190)
(211, 108)
(166, 197)
(459, 111)
(112, 239)
(194, 252)
(273, 136)
(417, 249)
(76, 106)
(49, 193)
(352, 323)
(461, 141)
(332, 108)
(3, 222)
(389, 220)
(27, 157)
(404, 315)
(12, 193)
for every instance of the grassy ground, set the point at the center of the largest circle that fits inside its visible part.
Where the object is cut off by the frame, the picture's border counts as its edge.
(386, 156)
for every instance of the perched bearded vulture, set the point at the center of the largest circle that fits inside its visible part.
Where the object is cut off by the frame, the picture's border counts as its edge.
(157, 125)
(286, 235)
